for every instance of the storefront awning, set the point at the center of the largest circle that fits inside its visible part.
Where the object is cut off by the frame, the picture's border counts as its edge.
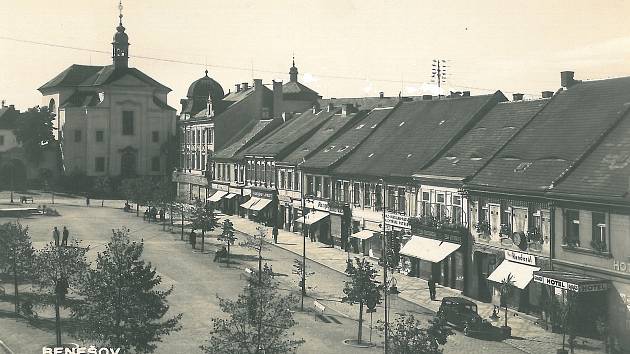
(260, 204)
(248, 204)
(579, 283)
(312, 217)
(428, 249)
(217, 196)
(522, 273)
(230, 196)
(363, 234)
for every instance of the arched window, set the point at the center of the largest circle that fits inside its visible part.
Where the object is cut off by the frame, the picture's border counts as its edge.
(52, 106)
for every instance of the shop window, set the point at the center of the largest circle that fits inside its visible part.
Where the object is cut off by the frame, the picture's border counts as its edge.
(572, 228)
(356, 192)
(309, 185)
(598, 241)
(326, 188)
(367, 194)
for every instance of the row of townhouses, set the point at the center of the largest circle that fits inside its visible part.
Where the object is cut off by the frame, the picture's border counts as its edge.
(473, 187)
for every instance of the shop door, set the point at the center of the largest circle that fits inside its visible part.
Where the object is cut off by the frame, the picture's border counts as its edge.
(436, 272)
(485, 293)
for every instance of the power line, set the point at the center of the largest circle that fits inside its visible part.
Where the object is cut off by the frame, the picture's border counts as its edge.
(231, 67)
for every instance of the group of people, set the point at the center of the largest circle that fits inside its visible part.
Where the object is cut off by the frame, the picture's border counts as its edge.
(64, 236)
(152, 214)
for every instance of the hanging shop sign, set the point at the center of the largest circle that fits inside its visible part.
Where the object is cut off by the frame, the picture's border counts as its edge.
(221, 187)
(397, 220)
(578, 288)
(262, 194)
(520, 257)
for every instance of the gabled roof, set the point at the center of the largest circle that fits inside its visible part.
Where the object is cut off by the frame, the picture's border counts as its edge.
(248, 135)
(557, 137)
(296, 88)
(413, 134)
(340, 147)
(336, 124)
(290, 134)
(481, 142)
(163, 105)
(605, 173)
(361, 103)
(86, 76)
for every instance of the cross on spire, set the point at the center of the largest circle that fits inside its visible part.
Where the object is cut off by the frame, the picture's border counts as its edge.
(120, 8)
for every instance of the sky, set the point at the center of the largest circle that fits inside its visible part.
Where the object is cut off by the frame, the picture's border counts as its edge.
(342, 48)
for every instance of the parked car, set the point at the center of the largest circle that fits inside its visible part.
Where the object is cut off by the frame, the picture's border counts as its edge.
(462, 313)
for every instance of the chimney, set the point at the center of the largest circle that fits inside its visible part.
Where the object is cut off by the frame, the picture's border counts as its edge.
(427, 97)
(278, 99)
(245, 86)
(286, 116)
(547, 94)
(3, 103)
(330, 107)
(381, 94)
(346, 109)
(238, 88)
(12, 107)
(517, 97)
(465, 93)
(566, 79)
(257, 84)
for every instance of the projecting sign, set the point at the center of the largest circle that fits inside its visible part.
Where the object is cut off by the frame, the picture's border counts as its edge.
(520, 257)
(581, 288)
(397, 220)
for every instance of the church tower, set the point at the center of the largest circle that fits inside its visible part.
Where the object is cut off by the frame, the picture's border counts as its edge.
(120, 45)
(293, 72)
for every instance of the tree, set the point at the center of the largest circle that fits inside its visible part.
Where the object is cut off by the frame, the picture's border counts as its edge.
(123, 306)
(361, 286)
(392, 254)
(164, 196)
(564, 312)
(257, 243)
(227, 236)
(102, 187)
(408, 335)
(34, 131)
(506, 287)
(259, 320)
(57, 269)
(299, 272)
(16, 255)
(203, 219)
(138, 190)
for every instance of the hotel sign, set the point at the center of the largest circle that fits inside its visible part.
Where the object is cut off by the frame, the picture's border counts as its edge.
(520, 257)
(397, 220)
(578, 288)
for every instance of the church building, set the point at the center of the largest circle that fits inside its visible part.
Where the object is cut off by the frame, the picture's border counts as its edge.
(111, 120)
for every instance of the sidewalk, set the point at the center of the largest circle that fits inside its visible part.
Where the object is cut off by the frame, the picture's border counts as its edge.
(526, 335)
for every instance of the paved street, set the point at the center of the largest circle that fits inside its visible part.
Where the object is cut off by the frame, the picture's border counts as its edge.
(198, 281)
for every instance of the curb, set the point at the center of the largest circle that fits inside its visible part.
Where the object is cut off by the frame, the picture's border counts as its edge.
(5, 348)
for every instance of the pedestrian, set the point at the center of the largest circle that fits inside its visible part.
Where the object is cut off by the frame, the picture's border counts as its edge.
(56, 236)
(146, 215)
(162, 214)
(193, 238)
(66, 233)
(432, 288)
(87, 200)
(220, 254)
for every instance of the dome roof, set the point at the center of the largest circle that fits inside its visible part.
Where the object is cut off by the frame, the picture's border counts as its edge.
(120, 36)
(206, 87)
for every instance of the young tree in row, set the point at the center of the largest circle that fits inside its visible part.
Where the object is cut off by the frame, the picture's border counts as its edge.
(164, 197)
(203, 219)
(258, 321)
(257, 243)
(408, 335)
(228, 236)
(361, 287)
(299, 272)
(102, 188)
(57, 270)
(123, 306)
(138, 190)
(16, 255)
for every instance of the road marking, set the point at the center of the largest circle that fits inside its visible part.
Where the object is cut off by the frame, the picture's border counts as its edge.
(6, 348)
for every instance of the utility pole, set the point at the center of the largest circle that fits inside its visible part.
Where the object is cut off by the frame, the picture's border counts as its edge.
(57, 297)
(385, 265)
(303, 235)
(438, 71)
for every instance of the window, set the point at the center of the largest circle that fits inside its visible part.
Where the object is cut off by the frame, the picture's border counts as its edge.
(572, 232)
(457, 214)
(290, 180)
(155, 136)
(155, 164)
(346, 191)
(599, 230)
(367, 195)
(356, 192)
(309, 185)
(100, 136)
(426, 204)
(401, 200)
(99, 164)
(318, 186)
(77, 135)
(128, 123)
(378, 197)
(506, 219)
(391, 198)
(326, 188)
(282, 180)
(1, 139)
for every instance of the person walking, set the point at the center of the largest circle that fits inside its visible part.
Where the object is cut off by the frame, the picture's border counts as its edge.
(432, 288)
(220, 254)
(87, 200)
(66, 233)
(162, 214)
(193, 238)
(56, 236)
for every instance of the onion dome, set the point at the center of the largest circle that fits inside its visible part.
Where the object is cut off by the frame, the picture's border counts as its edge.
(206, 87)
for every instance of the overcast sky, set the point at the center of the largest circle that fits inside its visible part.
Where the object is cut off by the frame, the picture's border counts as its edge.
(342, 48)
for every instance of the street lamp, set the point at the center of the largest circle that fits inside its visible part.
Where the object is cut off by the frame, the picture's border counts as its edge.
(385, 266)
(297, 167)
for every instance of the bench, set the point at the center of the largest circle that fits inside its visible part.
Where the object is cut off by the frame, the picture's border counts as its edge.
(25, 199)
(319, 307)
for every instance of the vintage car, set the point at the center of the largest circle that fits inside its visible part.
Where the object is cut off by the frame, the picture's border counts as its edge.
(462, 313)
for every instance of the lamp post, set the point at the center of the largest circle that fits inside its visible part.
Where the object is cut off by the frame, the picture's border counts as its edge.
(303, 234)
(385, 266)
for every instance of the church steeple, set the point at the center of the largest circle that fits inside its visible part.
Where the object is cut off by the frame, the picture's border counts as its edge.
(120, 45)
(293, 72)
